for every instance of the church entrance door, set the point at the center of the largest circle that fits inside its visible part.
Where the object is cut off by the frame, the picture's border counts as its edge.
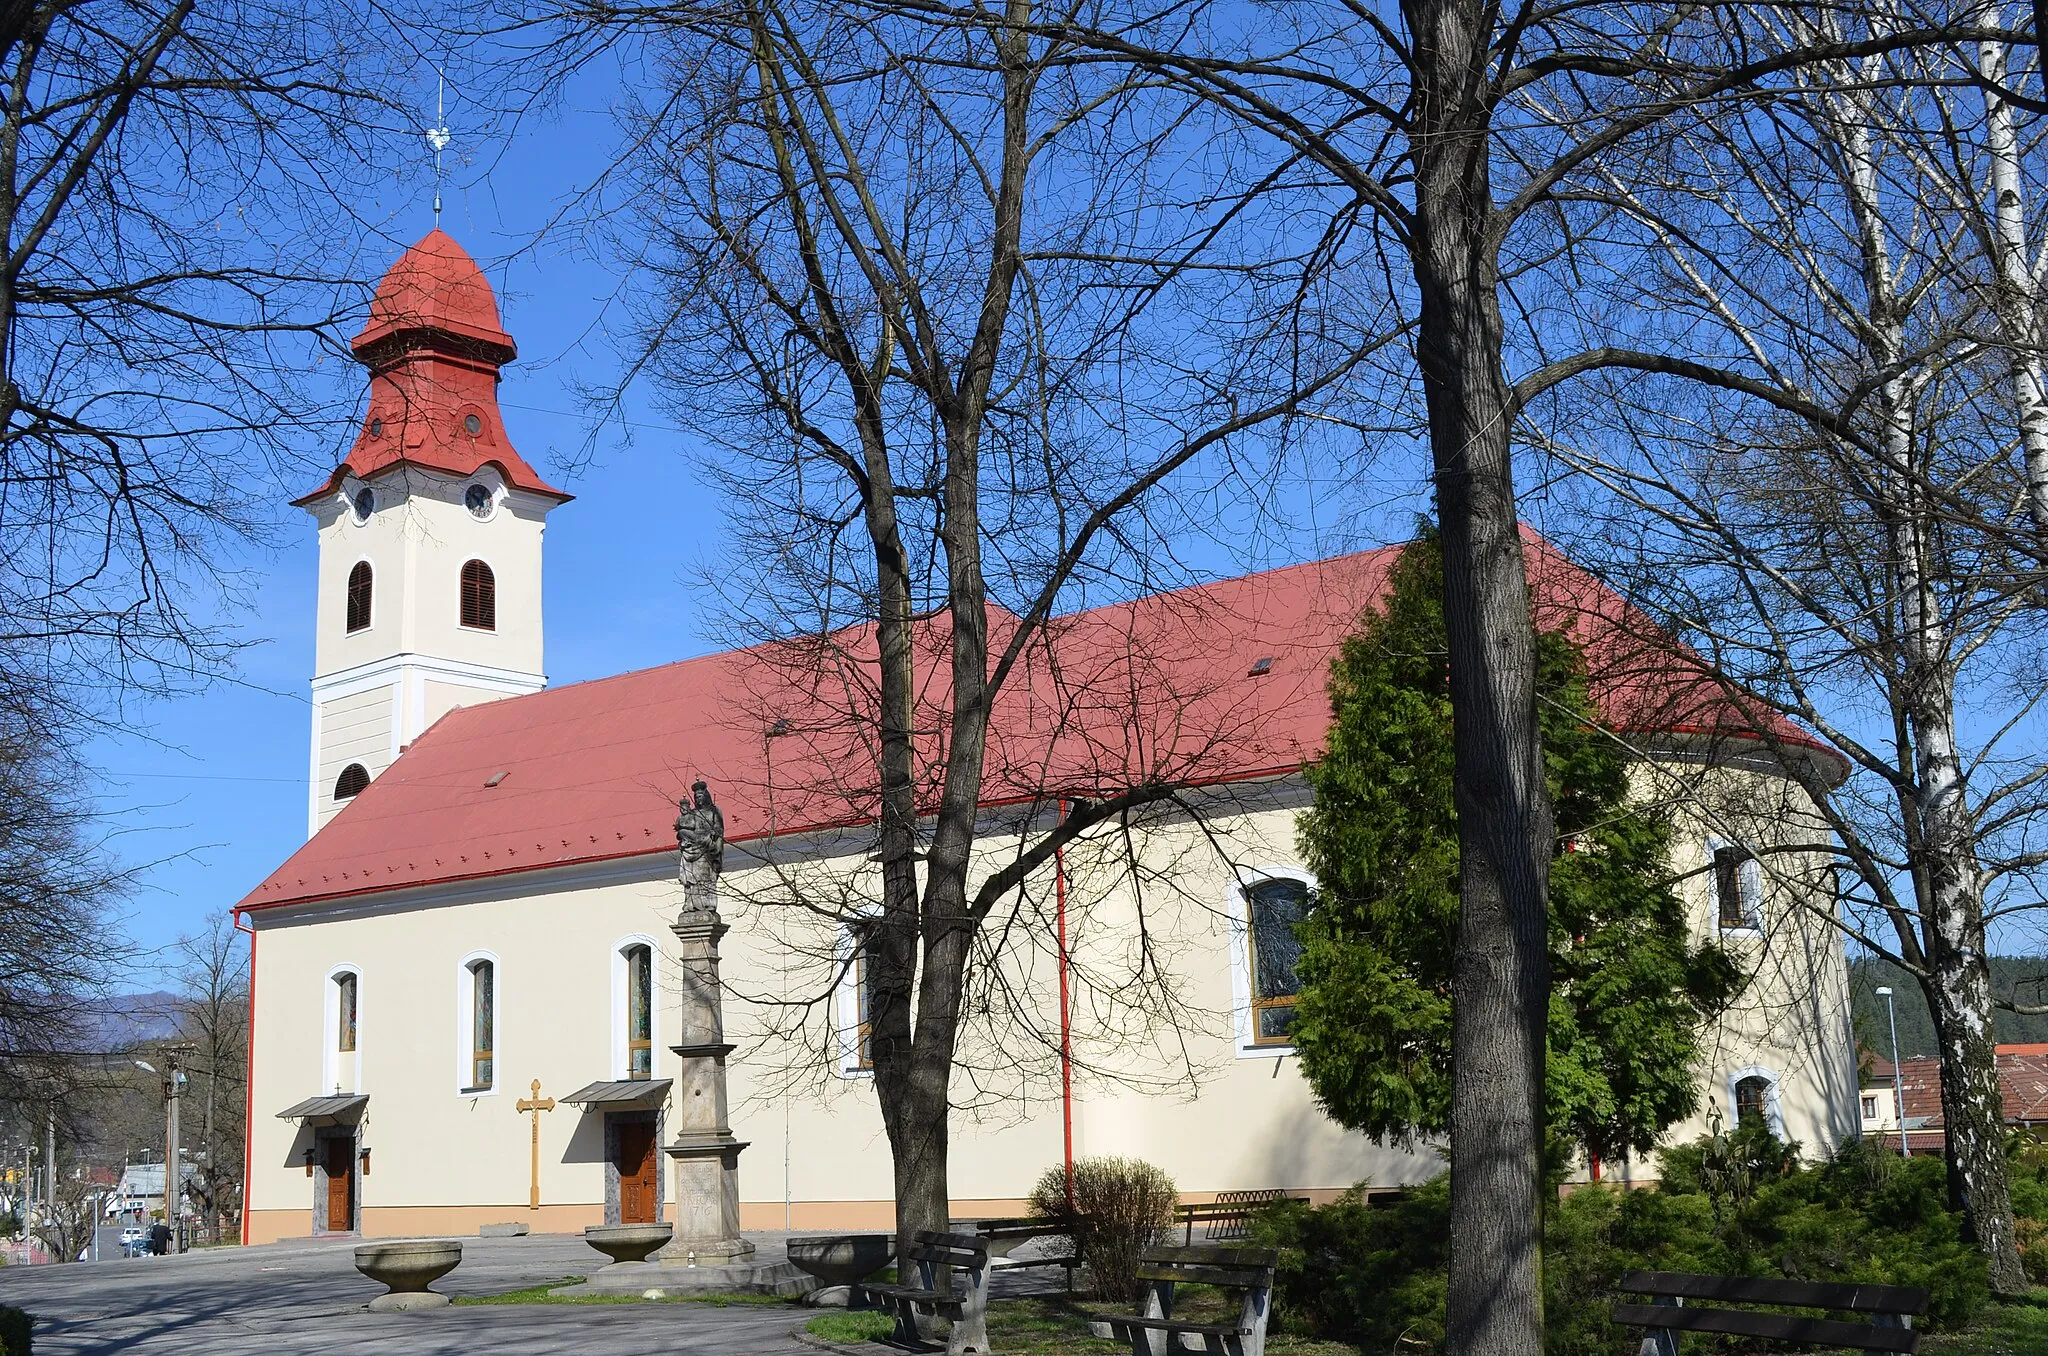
(341, 1183)
(638, 1172)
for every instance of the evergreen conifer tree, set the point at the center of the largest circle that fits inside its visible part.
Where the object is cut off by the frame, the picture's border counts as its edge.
(1630, 993)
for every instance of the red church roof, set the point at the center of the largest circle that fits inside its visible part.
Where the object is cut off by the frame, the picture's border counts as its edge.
(434, 348)
(1221, 683)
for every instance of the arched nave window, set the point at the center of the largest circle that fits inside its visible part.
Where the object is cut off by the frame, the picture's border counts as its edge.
(341, 1060)
(1753, 1095)
(1265, 904)
(477, 1020)
(633, 1008)
(1738, 885)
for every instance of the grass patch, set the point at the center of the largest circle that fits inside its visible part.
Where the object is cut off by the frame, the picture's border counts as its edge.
(545, 1294)
(2001, 1330)
(856, 1326)
(1049, 1325)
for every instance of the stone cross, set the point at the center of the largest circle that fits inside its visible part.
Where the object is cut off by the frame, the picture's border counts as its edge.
(536, 1105)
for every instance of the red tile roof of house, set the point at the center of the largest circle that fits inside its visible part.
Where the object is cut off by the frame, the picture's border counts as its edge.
(2022, 1083)
(434, 348)
(1160, 689)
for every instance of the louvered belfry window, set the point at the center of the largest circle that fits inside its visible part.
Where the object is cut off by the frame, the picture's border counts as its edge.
(351, 782)
(359, 596)
(479, 596)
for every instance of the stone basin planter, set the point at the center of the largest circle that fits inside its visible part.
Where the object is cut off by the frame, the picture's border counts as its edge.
(839, 1260)
(406, 1270)
(629, 1244)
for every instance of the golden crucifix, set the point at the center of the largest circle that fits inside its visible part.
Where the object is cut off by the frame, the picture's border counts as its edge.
(536, 1105)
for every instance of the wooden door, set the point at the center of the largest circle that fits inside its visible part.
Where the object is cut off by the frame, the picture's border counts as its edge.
(341, 1184)
(637, 1173)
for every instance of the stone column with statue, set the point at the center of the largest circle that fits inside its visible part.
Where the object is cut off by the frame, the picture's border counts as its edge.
(706, 1156)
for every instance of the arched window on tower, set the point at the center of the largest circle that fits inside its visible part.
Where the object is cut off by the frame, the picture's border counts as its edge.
(351, 782)
(359, 596)
(479, 596)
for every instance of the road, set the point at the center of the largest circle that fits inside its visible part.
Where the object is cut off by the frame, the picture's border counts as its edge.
(308, 1297)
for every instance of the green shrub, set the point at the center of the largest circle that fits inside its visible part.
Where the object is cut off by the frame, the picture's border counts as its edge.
(1368, 1274)
(1118, 1207)
(1732, 1205)
(14, 1332)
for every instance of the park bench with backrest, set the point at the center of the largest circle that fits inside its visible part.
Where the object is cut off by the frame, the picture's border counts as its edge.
(952, 1271)
(1243, 1274)
(1005, 1236)
(1229, 1216)
(1680, 1299)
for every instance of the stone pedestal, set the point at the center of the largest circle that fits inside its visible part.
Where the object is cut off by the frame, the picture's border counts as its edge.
(706, 1156)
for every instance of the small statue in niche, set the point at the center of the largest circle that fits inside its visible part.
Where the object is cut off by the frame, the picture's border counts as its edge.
(700, 841)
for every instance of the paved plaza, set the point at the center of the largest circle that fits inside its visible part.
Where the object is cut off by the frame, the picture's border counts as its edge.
(308, 1297)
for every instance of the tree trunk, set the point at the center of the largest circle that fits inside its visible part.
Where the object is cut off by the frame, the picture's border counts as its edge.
(2014, 288)
(1501, 983)
(1979, 1185)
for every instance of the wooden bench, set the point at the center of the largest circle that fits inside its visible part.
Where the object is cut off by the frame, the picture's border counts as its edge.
(1004, 1236)
(1229, 1216)
(1245, 1272)
(952, 1284)
(1891, 1308)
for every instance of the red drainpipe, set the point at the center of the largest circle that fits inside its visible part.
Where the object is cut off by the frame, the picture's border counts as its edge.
(1059, 877)
(248, 1081)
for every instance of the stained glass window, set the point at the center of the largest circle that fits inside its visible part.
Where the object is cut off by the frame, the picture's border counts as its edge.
(639, 1012)
(483, 1003)
(345, 1012)
(1275, 906)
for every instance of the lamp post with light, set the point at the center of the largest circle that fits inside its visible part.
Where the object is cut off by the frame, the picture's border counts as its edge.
(1898, 1074)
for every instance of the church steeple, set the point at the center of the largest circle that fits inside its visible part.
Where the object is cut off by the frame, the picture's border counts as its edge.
(430, 530)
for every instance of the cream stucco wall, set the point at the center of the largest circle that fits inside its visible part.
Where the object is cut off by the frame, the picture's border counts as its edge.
(1161, 1073)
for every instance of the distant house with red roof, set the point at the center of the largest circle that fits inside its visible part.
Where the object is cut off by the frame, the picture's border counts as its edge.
(2022, 1085)
(485, 898)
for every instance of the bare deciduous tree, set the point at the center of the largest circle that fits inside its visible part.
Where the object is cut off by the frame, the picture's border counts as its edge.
(913, 276)
(174, 223)
(211, 1008)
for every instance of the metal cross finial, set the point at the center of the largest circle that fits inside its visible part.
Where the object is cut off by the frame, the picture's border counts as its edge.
(536, 1105)
(437, 140)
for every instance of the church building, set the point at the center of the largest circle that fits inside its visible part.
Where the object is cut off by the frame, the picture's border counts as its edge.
(466, 982)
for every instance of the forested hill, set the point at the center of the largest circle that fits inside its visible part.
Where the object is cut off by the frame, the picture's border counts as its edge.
(2021, 978)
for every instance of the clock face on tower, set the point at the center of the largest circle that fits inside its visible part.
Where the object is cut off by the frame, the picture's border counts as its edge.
(365, 504)
(477, 499)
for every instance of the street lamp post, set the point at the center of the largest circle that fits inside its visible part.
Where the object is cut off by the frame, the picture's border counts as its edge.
(173, 1080)
(1898, 1074)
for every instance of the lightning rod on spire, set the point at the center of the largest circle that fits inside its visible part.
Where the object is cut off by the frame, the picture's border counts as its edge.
(437, 140)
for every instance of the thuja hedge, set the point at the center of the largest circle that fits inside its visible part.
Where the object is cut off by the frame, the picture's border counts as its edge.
(1736, 1205)
(14, 1332)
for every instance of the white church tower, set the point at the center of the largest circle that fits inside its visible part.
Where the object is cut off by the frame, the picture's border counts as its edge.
(430, 531)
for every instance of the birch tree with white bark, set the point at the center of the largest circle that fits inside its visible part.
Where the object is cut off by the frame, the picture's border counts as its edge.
(1844, 528)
